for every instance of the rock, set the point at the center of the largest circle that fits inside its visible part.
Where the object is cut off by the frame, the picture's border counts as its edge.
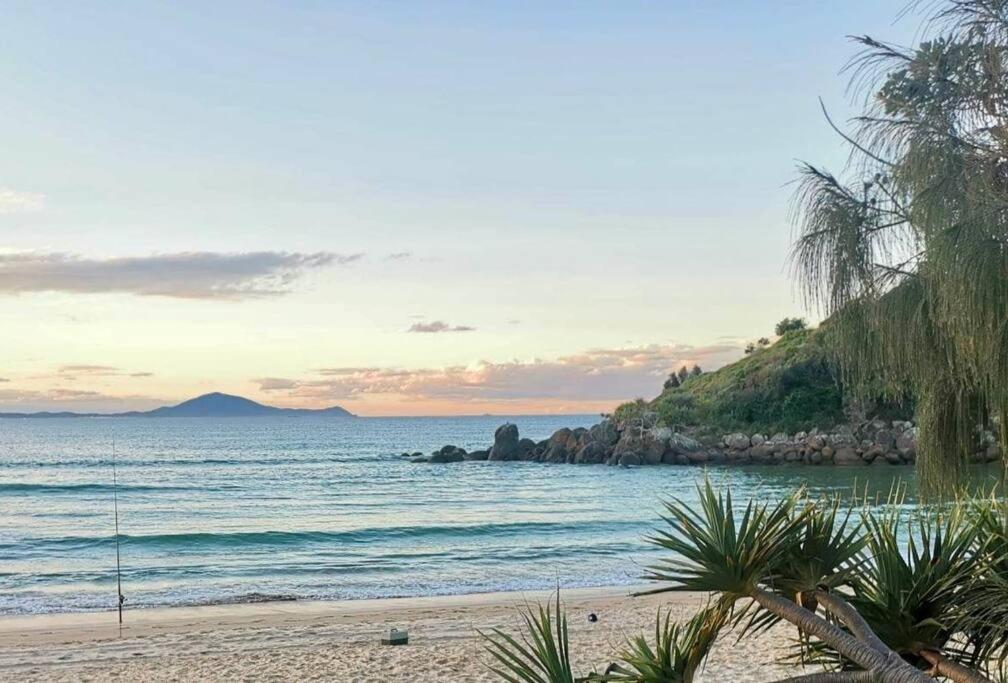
(419, 458)
(815, 458)
(476, 455)
(604, 432)
(885, 439)
(891, 457)
(558, 449)
(406, 455)
(737, 441)
(993, 453)
(680, 443)
(506, 443)
(814, 442)
(593, 452)
(418, 454)
(906, 442)
(526, 447)
(628, 459)
(757, 440)
(447, 454)
(697, 457)
(846, 455)
(641, 443)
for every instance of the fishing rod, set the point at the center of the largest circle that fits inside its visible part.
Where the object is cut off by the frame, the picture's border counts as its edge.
(115, 507)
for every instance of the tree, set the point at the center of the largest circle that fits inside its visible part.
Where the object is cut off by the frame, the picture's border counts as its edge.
(695, 371)
(790, 325)
(908, 255)
(683, 374)
(672, 382)
(886, 596)
(750, 348)
(763, 342)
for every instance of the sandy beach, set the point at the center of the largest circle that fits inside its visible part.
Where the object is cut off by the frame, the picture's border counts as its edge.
(340, 640)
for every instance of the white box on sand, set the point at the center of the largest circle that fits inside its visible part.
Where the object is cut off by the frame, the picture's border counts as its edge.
(395, 637)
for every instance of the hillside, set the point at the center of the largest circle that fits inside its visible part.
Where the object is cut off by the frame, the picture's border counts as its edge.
(217, 404)
(788, 386)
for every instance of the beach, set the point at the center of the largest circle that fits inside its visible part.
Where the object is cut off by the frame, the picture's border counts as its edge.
(340, 640)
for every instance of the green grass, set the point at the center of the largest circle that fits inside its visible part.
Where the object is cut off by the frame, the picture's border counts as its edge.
(787, 386)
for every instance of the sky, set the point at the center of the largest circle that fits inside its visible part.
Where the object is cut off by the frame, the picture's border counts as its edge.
(404, 208)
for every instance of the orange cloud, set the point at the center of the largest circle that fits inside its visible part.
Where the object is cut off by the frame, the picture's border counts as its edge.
(585, 382)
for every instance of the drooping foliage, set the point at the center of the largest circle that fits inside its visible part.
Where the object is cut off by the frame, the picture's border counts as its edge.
(908, 254)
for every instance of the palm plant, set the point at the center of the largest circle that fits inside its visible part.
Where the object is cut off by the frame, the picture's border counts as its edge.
(869, 603)
(677, 653)
(540, 654)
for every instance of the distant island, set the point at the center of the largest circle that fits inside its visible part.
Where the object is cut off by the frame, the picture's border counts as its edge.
(214, 404)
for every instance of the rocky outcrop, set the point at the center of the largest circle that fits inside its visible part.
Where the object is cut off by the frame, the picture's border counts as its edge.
(506, 443)
(875, 442)
(447, 454)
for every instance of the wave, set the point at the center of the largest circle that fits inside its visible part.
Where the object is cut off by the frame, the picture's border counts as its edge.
(368, 535)
(88, 488)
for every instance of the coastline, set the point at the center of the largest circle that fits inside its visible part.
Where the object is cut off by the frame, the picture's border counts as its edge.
(322, 639)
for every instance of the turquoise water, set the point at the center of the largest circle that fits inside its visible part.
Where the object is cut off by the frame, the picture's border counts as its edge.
(236, 509)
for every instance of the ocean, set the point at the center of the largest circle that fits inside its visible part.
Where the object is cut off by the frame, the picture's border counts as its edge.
(244, 509)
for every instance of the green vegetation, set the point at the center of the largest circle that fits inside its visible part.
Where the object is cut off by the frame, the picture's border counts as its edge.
(790, 325)
(890, 596)
(908, 255)
(787, 386)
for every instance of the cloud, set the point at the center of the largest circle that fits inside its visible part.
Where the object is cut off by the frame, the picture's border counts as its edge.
(13, 201)
(185, 275)
(3, 379)
(276, 383)
(72, 372)
(438, 326)
(399, 255)
(595, 375)
(63, 398)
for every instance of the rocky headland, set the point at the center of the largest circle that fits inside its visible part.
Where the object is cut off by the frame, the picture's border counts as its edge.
(612, 442)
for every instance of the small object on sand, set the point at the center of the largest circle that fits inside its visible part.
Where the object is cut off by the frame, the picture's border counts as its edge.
(395, 637)
(592, 617)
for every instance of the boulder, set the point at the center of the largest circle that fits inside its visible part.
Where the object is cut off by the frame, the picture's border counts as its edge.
(558, 448)
(737, 441)
(419, 458)
(906, 442)
(604, 432)
(593, 452)
(628, 459)
(885, 438)
(526, 447)
(891, 457)
(757, 440)
(815, 458)
(476, 455)
(846, 455)
(506, 443)
(696, 457)
(814, 442)
(447, 454)
(680, 443)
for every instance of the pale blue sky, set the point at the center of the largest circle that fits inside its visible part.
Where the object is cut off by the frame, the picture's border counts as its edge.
(609, 175)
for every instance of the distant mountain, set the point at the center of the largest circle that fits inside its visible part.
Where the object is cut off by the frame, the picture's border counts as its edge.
(215, 404)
